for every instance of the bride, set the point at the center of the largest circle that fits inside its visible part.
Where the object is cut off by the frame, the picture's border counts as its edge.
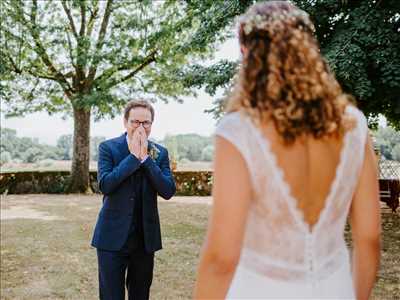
(293, 160)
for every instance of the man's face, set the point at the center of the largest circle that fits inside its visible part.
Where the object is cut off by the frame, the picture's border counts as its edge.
(138, 117)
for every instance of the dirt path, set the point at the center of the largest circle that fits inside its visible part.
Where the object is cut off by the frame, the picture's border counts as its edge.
(190, 200)
(23, 212)
(28, 206)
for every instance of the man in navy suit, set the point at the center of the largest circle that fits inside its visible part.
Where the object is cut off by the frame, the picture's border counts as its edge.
(131, 172)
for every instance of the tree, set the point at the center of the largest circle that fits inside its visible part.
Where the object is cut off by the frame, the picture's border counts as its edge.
(5, 157)
(360, 41)
(30, 150)
(387, 139)
(65, 146)
(170, 141)
(25, 149)
(396, 152)
(207, 153)
(33, 155)
(94, 147)
(86, 58)
(187, 146)
(8, 139)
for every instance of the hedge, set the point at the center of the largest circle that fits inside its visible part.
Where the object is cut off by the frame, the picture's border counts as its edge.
(54, 182)
(188, 183)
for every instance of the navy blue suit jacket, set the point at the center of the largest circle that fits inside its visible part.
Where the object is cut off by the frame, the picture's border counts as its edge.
(115, 167)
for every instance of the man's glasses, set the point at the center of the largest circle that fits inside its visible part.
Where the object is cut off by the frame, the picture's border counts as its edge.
(137, 123)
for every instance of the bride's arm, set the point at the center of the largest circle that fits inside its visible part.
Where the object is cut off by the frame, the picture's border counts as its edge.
(231, 199)
(366, 226)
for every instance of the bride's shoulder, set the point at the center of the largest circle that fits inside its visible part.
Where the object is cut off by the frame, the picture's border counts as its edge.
(232, 127)
(360, 121)
(230, 121)
(230, 117)
(354, 111)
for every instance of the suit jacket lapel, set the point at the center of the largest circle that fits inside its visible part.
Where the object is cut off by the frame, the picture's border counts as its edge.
(123, 145)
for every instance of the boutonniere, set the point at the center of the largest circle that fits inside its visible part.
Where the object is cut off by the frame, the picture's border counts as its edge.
(154, 152)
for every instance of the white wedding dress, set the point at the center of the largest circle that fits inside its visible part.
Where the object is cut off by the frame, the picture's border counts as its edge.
(281, 257)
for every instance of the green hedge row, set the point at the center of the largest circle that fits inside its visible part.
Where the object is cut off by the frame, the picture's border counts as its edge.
(196, 183)
(54, 182)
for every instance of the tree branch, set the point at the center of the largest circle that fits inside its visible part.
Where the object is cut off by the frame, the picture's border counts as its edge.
(18, 38)
(93, 16)
(71, 20)
(151, 58)
(30, 72)
(14, 65)
(39, 49)
(82, 50)
(100, 40)
(70, 51)
(83, 19)
(111, 71)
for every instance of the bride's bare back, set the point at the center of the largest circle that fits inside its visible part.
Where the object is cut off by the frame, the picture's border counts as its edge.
(309, 167)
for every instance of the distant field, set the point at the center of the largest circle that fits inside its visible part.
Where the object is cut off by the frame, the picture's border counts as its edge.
(389, 169)
(65, 165)
(46, 165)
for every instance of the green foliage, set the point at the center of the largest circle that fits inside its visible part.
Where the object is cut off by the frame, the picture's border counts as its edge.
(25, 149)
(360, 40)
(34, 182)
(64, 143)
(193, 183)
(97, 54)
(94, 146)
(5, 157)
(387, 140)
(207, 153)
(90, 57)
(197, 183)
(187, 146)
(32, 155)
(396, 152)
(184, 147)
(213, 77)
(28, 150)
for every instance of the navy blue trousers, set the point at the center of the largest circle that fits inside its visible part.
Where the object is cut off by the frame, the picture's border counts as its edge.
(131, 260)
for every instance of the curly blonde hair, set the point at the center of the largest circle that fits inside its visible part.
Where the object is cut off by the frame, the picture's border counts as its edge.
(283, 76)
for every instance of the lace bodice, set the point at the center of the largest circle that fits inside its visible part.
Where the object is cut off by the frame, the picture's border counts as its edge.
(278, 242)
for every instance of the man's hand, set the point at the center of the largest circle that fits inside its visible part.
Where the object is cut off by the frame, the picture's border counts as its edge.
(134, 144)
(143, 143)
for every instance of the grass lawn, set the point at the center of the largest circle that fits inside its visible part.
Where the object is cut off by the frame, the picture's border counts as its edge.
(47, 254)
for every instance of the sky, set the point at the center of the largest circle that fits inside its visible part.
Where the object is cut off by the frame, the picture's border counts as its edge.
(171, 118)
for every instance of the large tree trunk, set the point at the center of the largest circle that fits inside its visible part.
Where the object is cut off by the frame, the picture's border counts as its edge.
(79, 182)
